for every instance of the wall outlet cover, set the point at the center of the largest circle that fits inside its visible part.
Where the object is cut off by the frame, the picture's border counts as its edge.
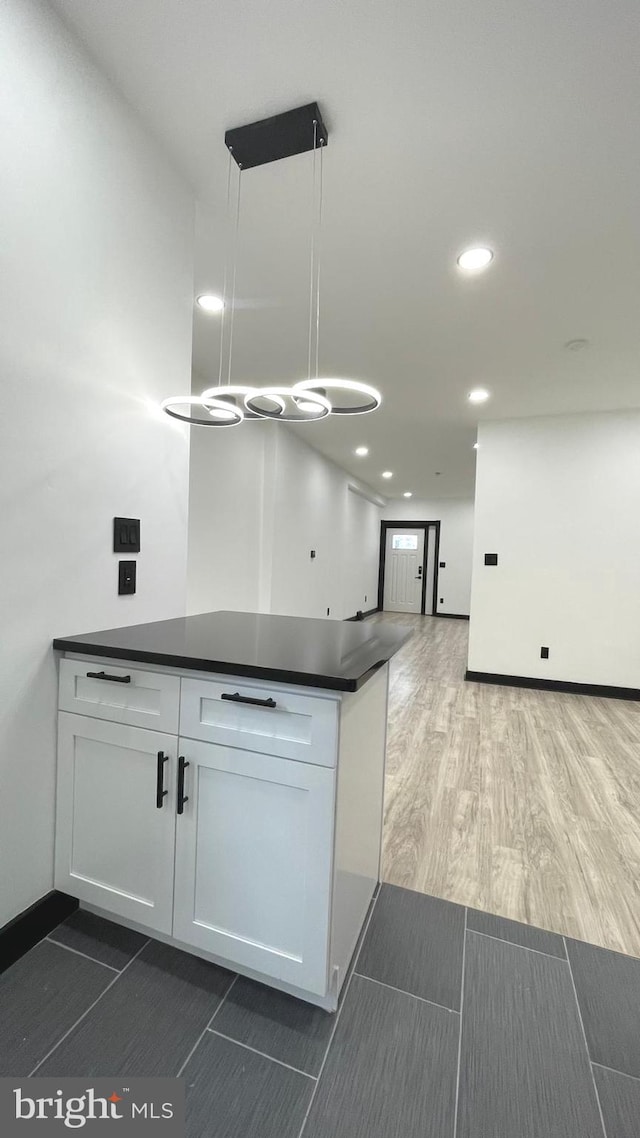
(126, 577)
(491, 558)
(544, 653)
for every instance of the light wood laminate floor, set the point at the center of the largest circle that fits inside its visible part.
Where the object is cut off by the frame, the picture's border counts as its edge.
(520, 802)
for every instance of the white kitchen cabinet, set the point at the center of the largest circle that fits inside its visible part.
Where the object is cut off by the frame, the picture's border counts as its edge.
(259, 849)
(115, 834)
(254, 861)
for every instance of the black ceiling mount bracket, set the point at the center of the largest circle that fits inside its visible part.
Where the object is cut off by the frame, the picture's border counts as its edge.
(280, 136)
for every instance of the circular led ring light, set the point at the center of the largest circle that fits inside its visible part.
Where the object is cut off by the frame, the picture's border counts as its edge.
(275, 394)
(237, 389)
(317, 386)
(207, 405)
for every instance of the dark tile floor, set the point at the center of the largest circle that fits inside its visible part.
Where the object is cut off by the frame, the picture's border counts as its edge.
(454, 1024)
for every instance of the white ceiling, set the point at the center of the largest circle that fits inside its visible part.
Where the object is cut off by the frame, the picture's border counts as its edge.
(452, 122)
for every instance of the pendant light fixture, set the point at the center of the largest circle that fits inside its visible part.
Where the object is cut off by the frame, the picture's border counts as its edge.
(309, 399)
(312, 387)
(206, 412)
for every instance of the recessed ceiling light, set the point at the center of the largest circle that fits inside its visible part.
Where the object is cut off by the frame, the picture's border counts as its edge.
(475, 260)
(407, 494)
(387, 473)
(478, 395)
(210, 303)
(362, 451)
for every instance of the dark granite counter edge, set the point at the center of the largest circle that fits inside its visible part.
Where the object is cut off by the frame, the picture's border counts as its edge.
(189, 663)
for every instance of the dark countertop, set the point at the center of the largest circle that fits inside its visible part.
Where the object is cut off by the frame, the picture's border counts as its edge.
(335, 654)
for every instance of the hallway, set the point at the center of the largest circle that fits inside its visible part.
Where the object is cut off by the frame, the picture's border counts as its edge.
(510, 800)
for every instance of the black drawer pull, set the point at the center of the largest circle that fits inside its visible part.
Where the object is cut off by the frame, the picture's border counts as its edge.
(106, 676)
(160, 791)
(182, 797)
(237, 698)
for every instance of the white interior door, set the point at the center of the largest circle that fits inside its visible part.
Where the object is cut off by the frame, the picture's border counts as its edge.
(403, 568)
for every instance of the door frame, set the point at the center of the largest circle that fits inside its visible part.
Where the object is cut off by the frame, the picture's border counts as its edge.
(384, 527)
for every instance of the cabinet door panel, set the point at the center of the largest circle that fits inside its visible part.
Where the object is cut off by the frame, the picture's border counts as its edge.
(114, 847)
(253, 862)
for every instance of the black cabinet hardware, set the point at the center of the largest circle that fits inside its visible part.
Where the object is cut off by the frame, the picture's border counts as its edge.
(106, 676)
(182, 797)
(160, 791)
(237, 698)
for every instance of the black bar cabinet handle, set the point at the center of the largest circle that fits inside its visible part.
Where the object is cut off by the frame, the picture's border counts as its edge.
(182, 797)
(237, 698)
(106, 676)
(160, 791)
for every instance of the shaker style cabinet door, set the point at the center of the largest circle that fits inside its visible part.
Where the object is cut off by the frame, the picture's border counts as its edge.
(253, 861)
(115, 826)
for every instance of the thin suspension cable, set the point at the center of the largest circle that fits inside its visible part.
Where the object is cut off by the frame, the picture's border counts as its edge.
(235, 267)
(319, 249)
(313, 243)
(226, 259)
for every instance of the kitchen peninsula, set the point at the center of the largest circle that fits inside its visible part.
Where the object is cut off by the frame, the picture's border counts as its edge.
(220, 787)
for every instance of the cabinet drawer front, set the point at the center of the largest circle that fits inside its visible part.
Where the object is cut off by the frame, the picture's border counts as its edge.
(253, 862)
(298, 727)
(149, 699)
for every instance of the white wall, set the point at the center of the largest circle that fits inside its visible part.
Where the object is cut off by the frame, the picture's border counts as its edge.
(362, 553)
(558, 499)
(456, 542)
(96, 272)
(315, 509)
(261, 500)
(226, 488)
